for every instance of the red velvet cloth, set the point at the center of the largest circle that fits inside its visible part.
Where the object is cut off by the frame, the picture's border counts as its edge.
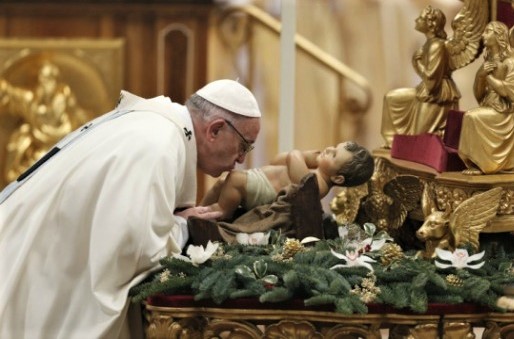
(179, 301)
(505, 13)
(453, 128)
(428, 149)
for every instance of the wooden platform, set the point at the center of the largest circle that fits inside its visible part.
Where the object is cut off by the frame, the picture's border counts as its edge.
(182, 317)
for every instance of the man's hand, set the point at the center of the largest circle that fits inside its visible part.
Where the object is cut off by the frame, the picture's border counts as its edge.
(204, 212)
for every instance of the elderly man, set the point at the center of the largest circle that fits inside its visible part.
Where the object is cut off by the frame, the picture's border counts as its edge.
(93, 217)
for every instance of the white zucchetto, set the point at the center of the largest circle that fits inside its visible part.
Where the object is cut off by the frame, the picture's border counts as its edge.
(232, 96)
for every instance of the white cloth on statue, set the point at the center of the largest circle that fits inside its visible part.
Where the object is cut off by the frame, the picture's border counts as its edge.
(93, 221)
(259, 190)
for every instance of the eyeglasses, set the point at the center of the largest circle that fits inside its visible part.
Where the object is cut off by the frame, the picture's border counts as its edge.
(247, 146)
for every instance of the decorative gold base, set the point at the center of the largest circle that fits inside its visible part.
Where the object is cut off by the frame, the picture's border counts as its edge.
(218, 322)
(451, 188)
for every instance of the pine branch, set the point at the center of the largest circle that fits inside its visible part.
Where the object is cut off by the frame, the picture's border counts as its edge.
(276, 295)
(260, 271)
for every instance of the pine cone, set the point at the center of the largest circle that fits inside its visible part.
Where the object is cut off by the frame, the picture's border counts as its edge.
(454, 280)
(291, 247)
(390, 253)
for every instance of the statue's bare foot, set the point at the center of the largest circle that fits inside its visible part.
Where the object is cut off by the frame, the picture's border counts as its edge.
(472, 171)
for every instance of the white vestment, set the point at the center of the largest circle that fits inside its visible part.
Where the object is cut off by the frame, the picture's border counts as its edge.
(93, 221)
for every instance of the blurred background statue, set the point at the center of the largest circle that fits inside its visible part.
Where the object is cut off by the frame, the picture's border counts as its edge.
(487, 137)
(47, 112)
(424, 108)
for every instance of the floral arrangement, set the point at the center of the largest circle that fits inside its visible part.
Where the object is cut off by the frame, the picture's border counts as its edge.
(359, 267)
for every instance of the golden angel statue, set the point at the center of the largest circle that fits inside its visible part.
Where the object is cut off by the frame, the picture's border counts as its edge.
(383, 203)
(388, 208)
(424, 109)
(47, 113)
(486, 142)
(449, 230)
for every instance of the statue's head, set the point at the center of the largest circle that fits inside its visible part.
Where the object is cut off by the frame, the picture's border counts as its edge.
(48, 70)
(497, 32)
(436, 20)
(435, 226)
(47, 77)
(431, 20)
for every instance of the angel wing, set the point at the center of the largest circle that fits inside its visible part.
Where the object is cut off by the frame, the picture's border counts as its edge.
(468, 25)
(388, 207)
(472, 215)
(405, 192)
(428, 200)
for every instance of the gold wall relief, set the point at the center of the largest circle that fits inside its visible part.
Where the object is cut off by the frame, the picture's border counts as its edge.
(48, 88)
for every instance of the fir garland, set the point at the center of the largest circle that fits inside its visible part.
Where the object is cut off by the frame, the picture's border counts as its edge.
(285, 270)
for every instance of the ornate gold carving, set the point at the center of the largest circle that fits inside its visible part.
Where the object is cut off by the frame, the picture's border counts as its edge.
(424, 331)
(292, 329)
(416, 331)
(391, 186)
(458, 330)
(448, 197)
(498, 330)
(47, 89)
(346, 331)
(449, 230)
(388, 208)
(491, 330)
(507, 202)
(162, 325)
(48, 112)
(346, 204)
(219, 322)
(223, 328)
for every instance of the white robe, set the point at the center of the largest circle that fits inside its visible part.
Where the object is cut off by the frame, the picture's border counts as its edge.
(93, 221)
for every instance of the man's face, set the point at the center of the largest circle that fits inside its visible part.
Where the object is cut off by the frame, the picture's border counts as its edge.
(231, 145)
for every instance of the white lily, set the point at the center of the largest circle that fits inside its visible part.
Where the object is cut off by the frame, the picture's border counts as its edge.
(353, 259)
(198, 254)
(459, 258)
(257, 238)
(370, 245)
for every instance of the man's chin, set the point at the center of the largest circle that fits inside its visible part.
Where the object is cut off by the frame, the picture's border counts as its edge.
(217, 173)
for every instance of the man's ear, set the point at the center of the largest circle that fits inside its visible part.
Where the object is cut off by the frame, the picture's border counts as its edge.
(337, 179)
(214, 128)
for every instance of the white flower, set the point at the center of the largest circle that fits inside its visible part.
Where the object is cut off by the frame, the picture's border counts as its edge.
(165, 275)
(307, 240)
(370, 245)
(459, 258)
(197, 254)
(257, 238)
(353, 259)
